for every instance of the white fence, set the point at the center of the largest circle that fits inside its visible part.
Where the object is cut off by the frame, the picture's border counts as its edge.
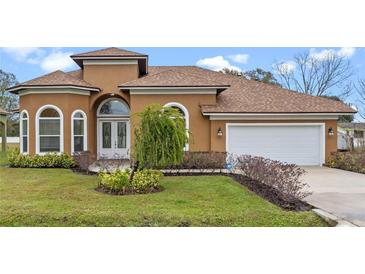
(10, 140)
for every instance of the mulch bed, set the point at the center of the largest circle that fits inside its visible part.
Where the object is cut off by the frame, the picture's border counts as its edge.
(268, 193)
(126, 191)
(271, 194)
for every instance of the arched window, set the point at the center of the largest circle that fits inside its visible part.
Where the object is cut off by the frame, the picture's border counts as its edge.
(113, 107)
(24, 132)
(183, 110)
(49, 129)
(78, 131)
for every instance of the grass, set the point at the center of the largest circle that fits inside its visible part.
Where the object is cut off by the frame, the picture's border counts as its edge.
(59, 197)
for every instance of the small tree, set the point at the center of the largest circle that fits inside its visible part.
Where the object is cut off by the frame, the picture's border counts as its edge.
(160, 137)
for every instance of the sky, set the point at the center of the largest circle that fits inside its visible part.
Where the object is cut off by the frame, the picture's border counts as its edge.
(28, 63)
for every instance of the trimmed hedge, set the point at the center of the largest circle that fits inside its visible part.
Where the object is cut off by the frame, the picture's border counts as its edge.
(202, 160)
(50, 160)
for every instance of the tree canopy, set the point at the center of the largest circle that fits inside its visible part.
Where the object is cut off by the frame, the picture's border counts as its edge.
(160, 137)
(257, 74)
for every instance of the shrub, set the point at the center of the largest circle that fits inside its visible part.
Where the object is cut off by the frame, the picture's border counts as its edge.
(117, 182)
(50, 160)
(202, 160)
(351, 161)
(83, 160)
(283, 177)
(146, 180)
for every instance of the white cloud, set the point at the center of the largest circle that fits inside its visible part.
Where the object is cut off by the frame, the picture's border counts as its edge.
(57, 60)
(327, 53)
(346, 52)
(21, 54)
(285, 67)
(216, 63)
(239, 58)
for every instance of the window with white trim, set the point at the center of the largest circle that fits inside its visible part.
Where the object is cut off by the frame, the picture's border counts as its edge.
(24, 134)
(79, 138)
(49, 131)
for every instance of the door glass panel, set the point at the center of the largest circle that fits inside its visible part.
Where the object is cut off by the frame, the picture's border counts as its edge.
(122, 135)
(107, 134)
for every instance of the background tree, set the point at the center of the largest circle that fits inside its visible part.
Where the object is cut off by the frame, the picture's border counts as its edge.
(231, 72)
(160, 137)
(361, 92)
(9, 101)
(257, 74)
(261, 75)
(316, 75)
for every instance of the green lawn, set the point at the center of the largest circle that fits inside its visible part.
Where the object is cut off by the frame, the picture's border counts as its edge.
(59, 197)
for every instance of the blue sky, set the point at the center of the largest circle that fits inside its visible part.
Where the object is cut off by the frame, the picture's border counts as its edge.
(27, 63)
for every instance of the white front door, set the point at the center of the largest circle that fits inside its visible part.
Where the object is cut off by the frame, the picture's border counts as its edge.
(114, 139)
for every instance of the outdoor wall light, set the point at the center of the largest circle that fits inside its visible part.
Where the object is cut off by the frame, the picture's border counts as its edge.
(331, 132)
(220, 132)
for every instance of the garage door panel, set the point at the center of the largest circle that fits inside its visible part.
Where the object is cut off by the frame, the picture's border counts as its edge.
(293, 144)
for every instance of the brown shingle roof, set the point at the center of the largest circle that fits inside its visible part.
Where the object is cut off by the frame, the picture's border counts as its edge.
(247, 96)
(76, 73)
(56, 78)
(173, 78)
(108, 52)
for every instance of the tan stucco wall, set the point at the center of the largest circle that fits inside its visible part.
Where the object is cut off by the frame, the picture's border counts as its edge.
(108, 78)
(199, 126)
(66, 102)
(219, 143)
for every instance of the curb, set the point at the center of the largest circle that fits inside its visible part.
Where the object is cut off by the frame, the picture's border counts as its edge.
(332, 219)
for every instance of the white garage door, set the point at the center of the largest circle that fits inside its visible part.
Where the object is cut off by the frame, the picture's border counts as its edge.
(298, 144)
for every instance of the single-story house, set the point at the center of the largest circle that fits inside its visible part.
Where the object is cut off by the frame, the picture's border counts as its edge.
(350, 136)
(91, 108)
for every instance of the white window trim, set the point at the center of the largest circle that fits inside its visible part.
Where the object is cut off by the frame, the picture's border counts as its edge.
(112, 115)
(322, 149)
(37, 140)
(21, 131)
(84, 118)
(186, 114)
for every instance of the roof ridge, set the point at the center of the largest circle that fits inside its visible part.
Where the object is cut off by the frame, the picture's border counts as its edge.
(105, 49)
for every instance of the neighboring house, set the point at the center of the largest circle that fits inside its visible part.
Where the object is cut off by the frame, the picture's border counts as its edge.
(351, 135)
(91, 109)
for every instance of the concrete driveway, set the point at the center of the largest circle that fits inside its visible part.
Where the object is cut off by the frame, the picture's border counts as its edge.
(339, 192)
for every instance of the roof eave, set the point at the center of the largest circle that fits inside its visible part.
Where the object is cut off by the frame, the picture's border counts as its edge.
(16, 89)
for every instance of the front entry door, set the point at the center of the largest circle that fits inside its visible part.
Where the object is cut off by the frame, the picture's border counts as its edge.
(114, 139)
